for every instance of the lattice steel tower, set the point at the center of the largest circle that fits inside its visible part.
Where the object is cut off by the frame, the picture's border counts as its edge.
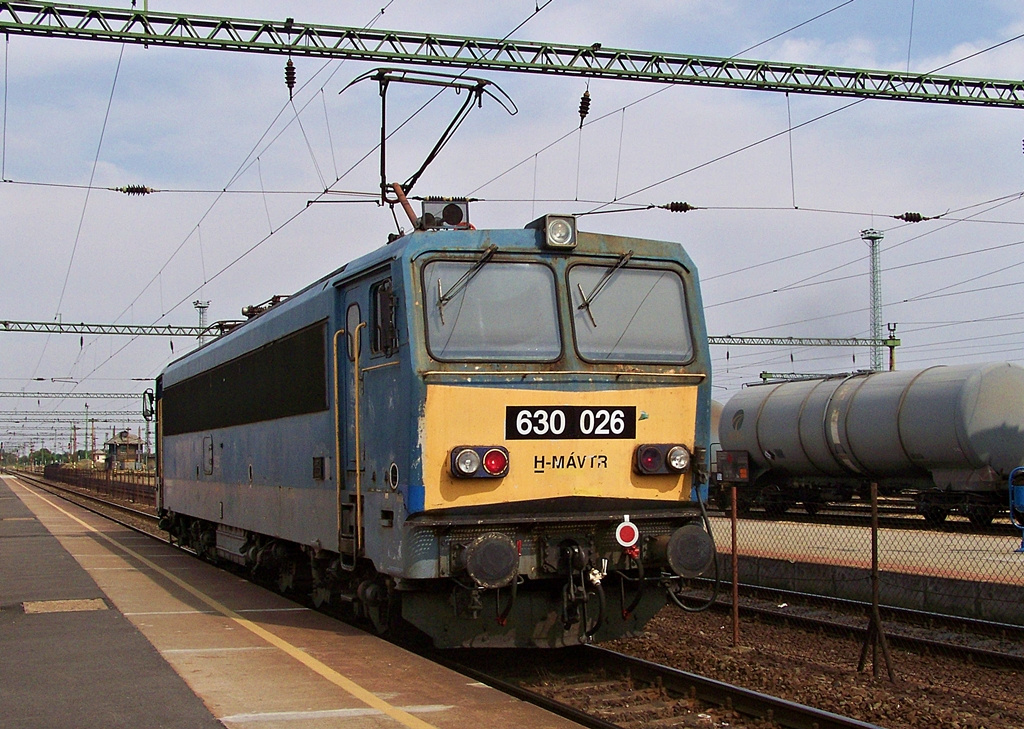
(872, 238)
(201, 307)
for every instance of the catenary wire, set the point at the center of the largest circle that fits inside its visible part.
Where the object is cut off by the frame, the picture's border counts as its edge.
(538, 9)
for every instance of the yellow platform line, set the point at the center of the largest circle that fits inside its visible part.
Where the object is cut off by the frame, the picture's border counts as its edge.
(317, 666)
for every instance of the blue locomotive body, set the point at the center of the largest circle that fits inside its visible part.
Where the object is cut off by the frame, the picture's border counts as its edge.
(472, 432)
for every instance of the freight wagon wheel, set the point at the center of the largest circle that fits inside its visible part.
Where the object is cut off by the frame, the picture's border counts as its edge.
(775, 502)
(812, 507)
(935, 515)
(724, 501)
(981, 515)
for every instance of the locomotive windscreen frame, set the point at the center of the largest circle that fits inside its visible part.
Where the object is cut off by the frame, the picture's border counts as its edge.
(285, 377)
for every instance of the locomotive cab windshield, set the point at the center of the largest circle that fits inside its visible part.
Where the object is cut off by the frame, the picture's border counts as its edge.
(505, 307)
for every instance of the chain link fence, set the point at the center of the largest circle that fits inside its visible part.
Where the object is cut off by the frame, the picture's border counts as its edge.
(136, 487)
(955, 578)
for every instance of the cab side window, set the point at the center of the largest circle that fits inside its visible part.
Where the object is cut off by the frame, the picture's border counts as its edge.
(384, 330)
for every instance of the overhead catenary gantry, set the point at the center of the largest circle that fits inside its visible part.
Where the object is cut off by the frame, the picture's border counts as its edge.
(132, 330)
(804, 341)
(288, 37)
(136, 330)
(74, 395)
(73, 415)
(892, 342)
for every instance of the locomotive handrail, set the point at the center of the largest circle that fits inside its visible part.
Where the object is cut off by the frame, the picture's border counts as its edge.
(393, 363)
(357, 536)
(337, 433)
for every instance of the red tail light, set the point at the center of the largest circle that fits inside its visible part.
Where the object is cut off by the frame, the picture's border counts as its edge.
(650, 459)
(495, 462)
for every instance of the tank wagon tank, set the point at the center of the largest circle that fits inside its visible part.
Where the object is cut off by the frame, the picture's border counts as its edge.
(489, 435)
(950, 435)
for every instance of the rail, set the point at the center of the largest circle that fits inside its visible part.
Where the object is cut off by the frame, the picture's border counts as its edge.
(590, 672)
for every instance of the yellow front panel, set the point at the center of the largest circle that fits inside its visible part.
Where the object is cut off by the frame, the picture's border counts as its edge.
(539, 469)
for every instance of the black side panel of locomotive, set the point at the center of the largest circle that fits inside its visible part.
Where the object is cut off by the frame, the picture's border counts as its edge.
(282, 378)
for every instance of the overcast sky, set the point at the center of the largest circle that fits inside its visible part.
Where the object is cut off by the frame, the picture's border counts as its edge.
(778, 247)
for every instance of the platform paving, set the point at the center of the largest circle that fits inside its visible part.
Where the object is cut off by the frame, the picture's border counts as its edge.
(67, 658)
(109, 628)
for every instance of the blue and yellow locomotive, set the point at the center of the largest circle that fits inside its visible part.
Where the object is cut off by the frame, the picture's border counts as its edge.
(492, 436)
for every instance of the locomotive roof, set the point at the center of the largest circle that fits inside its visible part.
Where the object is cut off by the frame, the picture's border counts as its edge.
(293, 313)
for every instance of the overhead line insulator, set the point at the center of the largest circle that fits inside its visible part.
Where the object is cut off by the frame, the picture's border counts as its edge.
(584, 106)
(914, 217)
(134, 190)
(289, 77)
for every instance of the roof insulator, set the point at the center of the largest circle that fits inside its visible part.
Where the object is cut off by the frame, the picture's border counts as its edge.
(135, 190)
(584, 106)
(678, 207)
(289, 77)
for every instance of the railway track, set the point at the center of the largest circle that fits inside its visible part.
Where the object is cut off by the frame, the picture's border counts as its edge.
(975, 641)
(141, 520)
(601, 688)
(622, 691)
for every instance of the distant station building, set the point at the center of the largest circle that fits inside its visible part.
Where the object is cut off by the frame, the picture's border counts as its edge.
(124, 451)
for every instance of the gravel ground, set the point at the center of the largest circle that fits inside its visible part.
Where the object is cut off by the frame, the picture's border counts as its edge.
(820, 670)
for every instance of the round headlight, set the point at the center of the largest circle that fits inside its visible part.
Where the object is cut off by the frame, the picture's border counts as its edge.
(678, 458)
(467, 462)
(559, 232)
(451, 214)
(495, 462)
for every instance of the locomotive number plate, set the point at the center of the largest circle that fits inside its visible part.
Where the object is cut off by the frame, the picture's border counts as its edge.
(569, 422)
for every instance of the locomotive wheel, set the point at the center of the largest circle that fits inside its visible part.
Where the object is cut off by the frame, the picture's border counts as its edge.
(380, 605)
(321, 595)
(286, 577)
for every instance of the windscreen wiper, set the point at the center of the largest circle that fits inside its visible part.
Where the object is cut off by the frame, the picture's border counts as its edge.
(588, 300)
(448, 295)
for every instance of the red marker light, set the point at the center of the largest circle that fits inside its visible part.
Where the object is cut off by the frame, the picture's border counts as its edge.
(650, 459)
(495, 462)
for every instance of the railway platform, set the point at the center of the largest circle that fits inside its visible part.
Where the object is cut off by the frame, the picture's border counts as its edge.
(104, 627)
